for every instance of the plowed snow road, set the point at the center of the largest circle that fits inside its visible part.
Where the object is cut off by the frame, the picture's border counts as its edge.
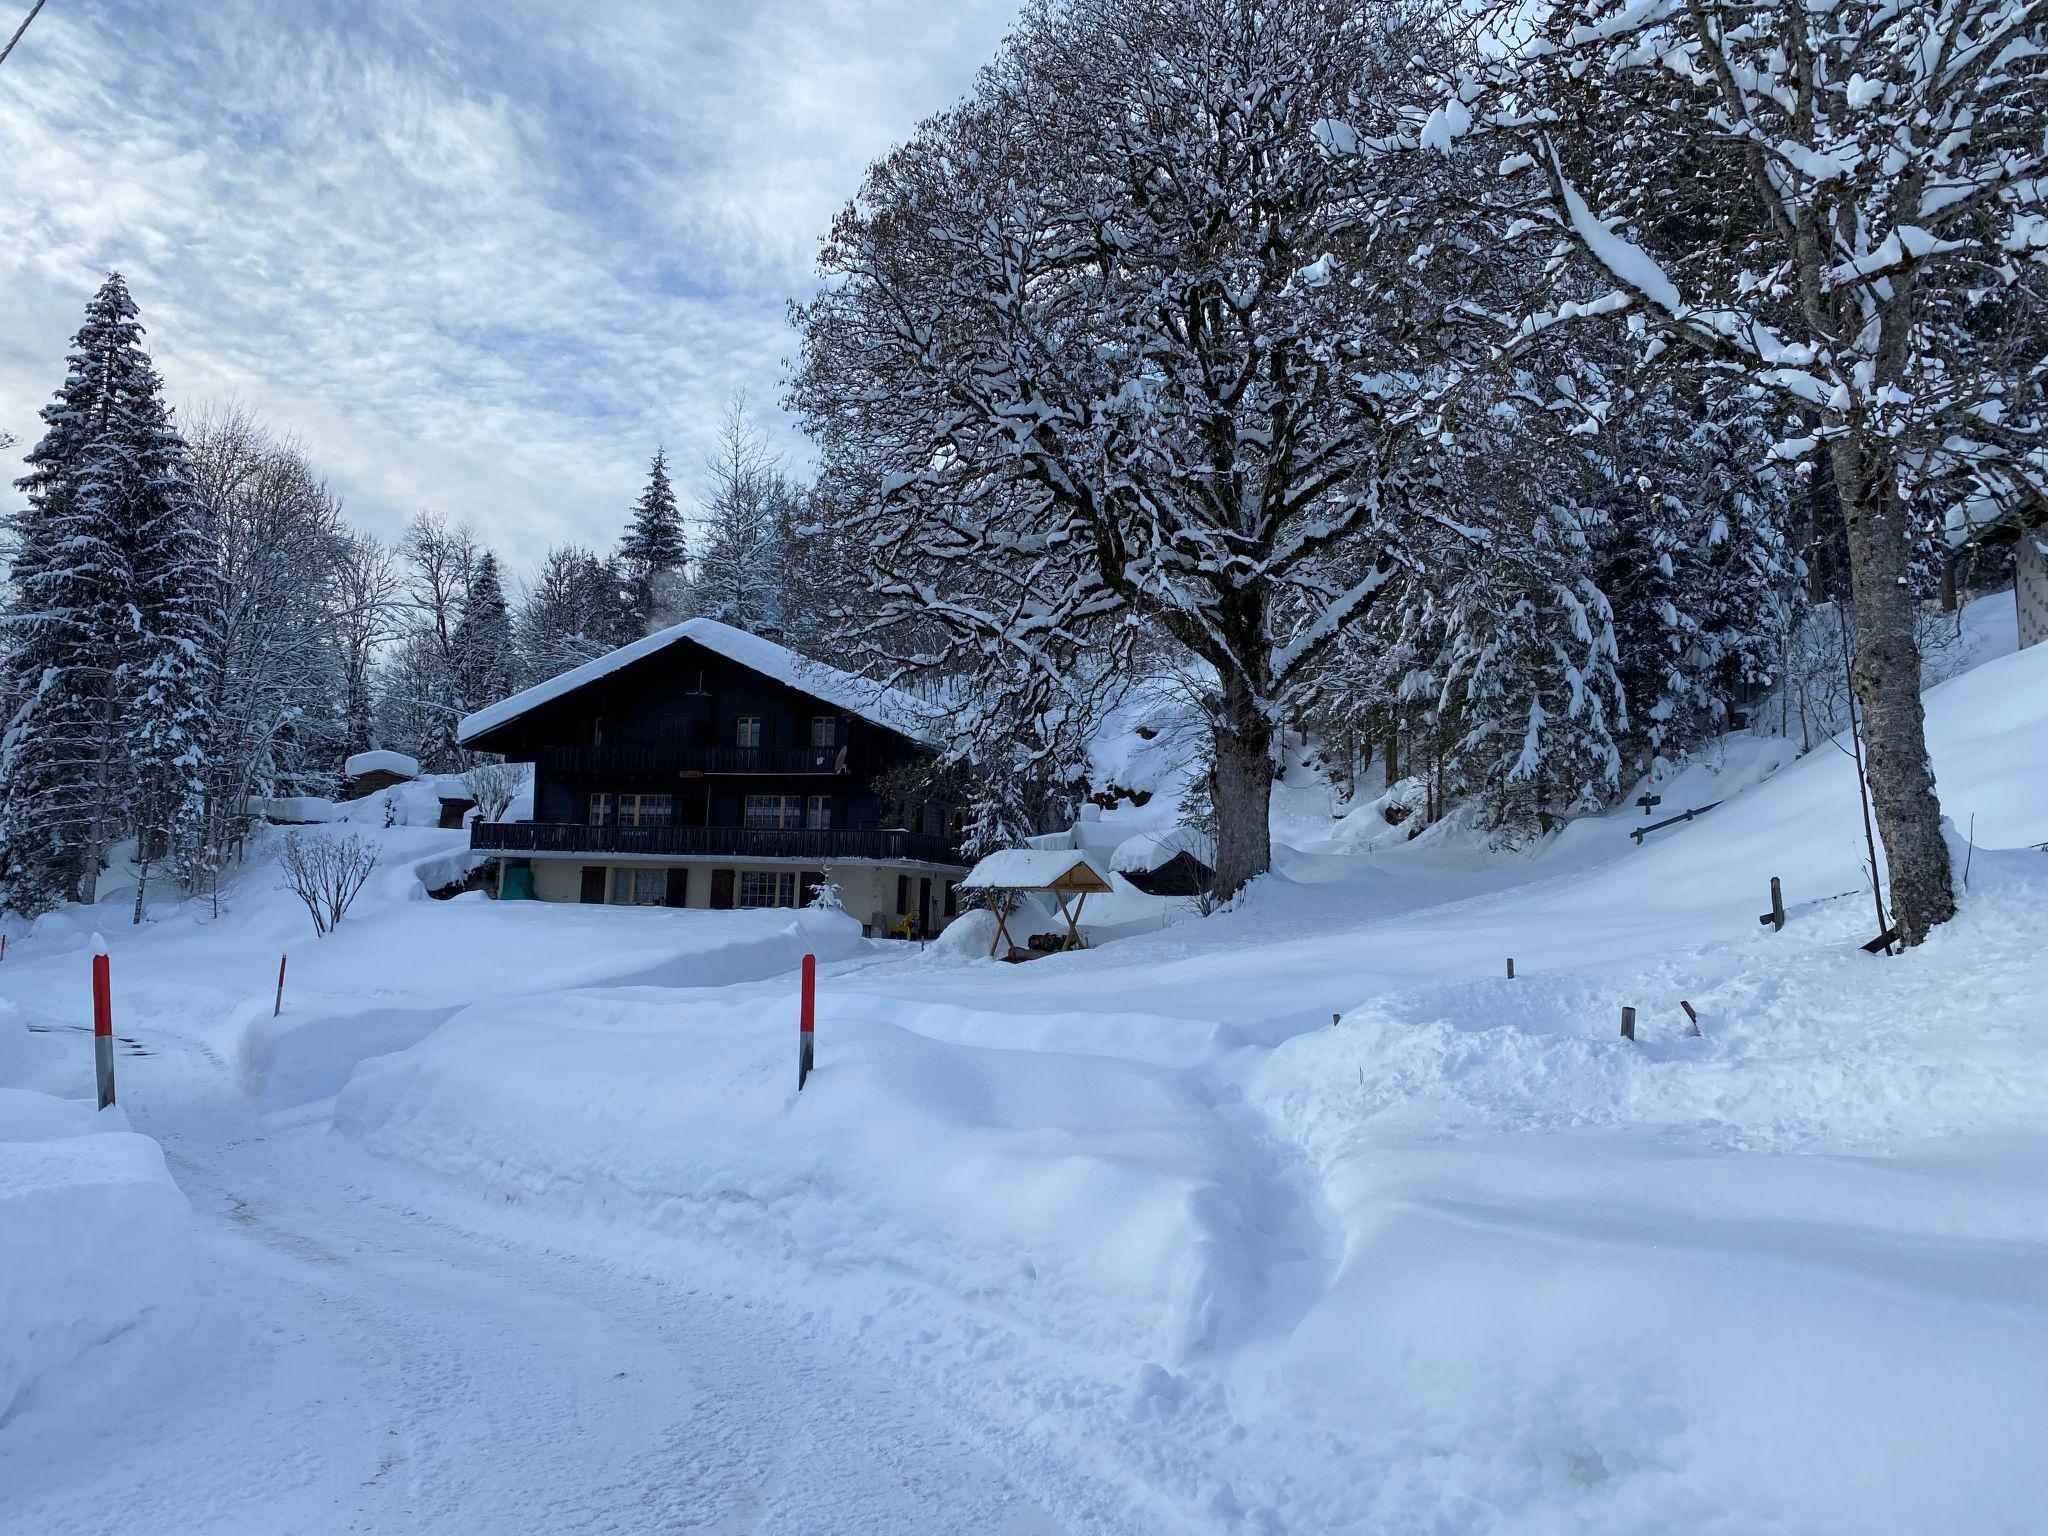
(364, 1365)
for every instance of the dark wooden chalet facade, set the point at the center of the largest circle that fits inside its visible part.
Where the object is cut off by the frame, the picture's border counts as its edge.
(706, 767)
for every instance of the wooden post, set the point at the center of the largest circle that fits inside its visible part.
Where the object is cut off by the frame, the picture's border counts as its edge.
(1691, 1015)
(808, 1022)
(1776, 916)
(279, 1006)
(1511, 967)
(102, 1021)
(1628, 1023)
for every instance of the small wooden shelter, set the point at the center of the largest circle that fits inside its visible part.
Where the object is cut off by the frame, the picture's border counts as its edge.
(1015, 873)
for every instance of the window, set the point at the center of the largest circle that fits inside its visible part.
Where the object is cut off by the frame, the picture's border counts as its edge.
(639, 887)
(824, 730)
(749, 734)
(819, 813)
(767, 890)
(600, 810)
(775, 813)
(645, 810)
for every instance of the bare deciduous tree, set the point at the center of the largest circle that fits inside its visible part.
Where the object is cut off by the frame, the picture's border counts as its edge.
(326, 873)
(492, 786)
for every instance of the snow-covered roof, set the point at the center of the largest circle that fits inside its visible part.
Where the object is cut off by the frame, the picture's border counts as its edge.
(1149, 850)
(381, 762)
(1033, 869)
(886, 707)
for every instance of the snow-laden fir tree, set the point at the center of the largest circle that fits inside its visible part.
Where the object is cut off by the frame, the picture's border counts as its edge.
(654, 554)
(106, 625)
(483, 658)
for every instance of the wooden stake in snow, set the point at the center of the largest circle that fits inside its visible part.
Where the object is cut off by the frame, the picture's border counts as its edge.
(1628, 1023)
(807, 1026)
(1694, 1017)
(279, 1008)
(1511, 967)
(102, 1021)
(1776, 916)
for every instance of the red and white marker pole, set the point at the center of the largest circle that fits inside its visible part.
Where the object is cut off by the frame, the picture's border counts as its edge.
(807, 1030)
(279, 1008)
(102, 1021)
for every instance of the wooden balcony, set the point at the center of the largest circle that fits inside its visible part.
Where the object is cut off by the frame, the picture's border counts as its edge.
(644, 761)
(813, 845)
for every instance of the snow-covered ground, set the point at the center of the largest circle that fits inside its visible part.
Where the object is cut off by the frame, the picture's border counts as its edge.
(514, 1222)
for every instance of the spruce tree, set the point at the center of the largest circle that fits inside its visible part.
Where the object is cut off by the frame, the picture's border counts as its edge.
(654, 551)
(482, 645)
(104, 666)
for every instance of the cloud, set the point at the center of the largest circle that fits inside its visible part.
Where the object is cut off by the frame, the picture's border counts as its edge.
(479, 257)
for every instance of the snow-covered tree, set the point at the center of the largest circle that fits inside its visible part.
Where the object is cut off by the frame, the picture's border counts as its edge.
(654, 554)
(1127, 344)
(284, 636)
(420, 699)
(572, 612)
(366, 609)
(747, 514)
(484, 661)
(105, 656)
(1835, 202)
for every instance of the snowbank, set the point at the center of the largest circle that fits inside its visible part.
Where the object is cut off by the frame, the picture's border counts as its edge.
(1730, 1278)
(93, 1236)
(1096, 1199)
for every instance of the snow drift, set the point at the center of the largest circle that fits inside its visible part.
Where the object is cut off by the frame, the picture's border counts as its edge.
(93, 1236)
(1099, 1198)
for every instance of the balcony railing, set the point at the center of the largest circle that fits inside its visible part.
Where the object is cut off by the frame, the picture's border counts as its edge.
(816, 845)
(612, 760)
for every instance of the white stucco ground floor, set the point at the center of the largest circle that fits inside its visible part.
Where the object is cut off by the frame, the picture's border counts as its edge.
(881, 894)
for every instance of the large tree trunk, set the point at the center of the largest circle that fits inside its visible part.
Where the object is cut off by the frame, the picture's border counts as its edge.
(1886, 674)
(1244, 791)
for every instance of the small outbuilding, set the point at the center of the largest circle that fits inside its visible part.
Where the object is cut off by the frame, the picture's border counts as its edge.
(1180, 861)
(368, 772)
(1008, 877)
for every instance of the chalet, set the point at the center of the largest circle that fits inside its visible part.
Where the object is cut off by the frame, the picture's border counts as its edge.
(707, 767)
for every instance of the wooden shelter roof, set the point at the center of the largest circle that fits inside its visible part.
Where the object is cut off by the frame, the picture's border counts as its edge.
(1037, 869)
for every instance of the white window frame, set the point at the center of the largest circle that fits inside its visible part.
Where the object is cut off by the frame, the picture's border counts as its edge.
(818, 813)
(780, 888)
(748, 732)
(642, 885)
(789, 813)
(824, 730)
(641, 812)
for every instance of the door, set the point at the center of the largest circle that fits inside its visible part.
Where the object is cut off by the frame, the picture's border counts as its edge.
(593, 885)
(678, 888)
(721, 889)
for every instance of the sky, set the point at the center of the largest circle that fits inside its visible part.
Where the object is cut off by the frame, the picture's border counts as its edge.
(478, 256)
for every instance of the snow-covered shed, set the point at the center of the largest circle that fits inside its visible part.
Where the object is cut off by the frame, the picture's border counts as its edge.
(1181, 861)
(368, 772)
